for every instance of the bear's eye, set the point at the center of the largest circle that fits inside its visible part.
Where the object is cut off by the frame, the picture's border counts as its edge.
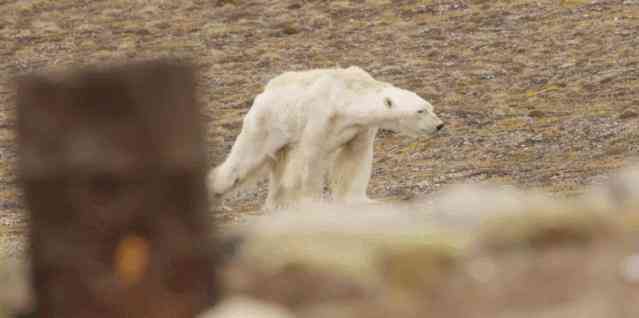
(388, 102)
(421, 111)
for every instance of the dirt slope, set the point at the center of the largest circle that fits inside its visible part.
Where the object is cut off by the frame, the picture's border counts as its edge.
(541, 94)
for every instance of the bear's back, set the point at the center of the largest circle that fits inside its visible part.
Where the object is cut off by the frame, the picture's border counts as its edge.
(353, 77)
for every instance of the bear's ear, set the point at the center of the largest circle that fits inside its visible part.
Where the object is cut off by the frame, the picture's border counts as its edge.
(388, 102)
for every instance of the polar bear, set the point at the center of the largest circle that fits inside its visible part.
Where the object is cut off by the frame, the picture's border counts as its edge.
(306, 123)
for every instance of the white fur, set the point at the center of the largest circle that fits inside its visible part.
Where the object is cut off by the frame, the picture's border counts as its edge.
(307, 122)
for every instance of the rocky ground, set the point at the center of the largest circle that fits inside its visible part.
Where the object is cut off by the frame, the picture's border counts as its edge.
(539, 94)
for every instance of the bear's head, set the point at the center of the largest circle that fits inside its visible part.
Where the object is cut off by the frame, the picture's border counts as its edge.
(412, 115)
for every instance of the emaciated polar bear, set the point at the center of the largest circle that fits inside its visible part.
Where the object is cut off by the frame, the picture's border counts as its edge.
(306, 123)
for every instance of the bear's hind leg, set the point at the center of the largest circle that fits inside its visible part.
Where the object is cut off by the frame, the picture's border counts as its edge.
(249, 157)
(296, 176)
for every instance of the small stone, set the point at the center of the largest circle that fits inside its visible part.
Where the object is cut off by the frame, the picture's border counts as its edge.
(628, 114)
(537, 114)
(487, 76)
(290, 29)
(539, 81)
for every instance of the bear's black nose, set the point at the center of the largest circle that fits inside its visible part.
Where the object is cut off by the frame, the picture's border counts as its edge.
(440, 126)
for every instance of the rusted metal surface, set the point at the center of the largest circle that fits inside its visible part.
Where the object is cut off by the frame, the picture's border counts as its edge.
(112, 162)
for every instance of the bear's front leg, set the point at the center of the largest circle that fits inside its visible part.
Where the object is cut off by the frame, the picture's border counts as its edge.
(283, 181)
(313, 176)
(293, 179)
(351, 170)
(319, 134)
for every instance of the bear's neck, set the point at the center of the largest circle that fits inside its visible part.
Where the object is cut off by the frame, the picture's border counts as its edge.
(373, 118)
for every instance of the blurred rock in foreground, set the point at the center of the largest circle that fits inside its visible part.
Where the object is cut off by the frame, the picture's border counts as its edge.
(468, 251)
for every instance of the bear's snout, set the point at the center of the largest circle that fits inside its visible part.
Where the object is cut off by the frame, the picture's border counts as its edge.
(440, 126)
